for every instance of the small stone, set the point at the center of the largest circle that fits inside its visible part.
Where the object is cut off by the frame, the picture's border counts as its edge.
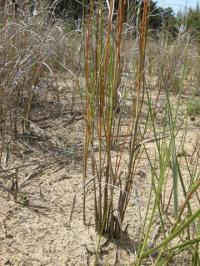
(9, 236)
(141, 174)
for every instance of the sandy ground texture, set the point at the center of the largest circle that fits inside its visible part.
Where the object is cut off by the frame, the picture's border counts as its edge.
(46, 165)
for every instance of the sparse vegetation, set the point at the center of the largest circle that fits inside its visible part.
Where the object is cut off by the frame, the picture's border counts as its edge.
(99, 163)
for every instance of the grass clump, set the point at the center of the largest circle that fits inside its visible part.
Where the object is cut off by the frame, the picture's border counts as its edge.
(193, 107)
(103, 122)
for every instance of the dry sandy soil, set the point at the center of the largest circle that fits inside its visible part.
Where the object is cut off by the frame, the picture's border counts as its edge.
(35, 227)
